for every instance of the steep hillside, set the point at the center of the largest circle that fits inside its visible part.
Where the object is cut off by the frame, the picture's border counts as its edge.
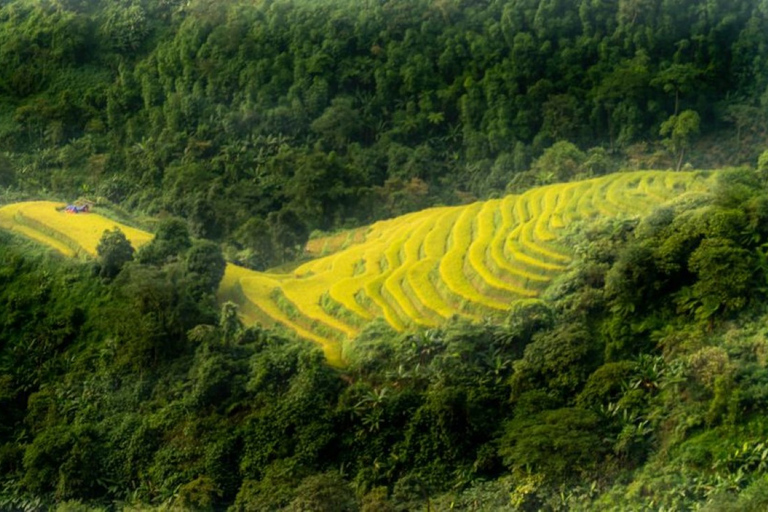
(639, 380)
(419, 269)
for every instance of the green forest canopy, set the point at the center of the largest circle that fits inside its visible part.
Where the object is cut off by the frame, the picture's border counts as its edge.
(639, 381)
(323, 114)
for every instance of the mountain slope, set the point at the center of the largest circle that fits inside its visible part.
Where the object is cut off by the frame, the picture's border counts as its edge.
(419, 269)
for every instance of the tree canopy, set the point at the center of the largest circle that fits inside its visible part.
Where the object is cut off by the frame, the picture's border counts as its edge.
(339, 115)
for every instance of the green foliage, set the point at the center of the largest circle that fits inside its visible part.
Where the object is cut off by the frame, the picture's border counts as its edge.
(7, 172)
(257, 248)
(559, 443)
(606, 384)
(527, 317)
(558, 360)
(114, 251)
(345, 118)
(170, 241)
(641, 382)
(139, 389)
(563, 161)
(725, 276)
(762, 165)
(204, 265)
(680, 130)
(326, 492)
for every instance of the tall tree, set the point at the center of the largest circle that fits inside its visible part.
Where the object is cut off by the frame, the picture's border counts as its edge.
(679, 131)
(114, 250)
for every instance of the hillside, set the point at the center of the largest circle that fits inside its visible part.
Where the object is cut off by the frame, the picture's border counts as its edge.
(420, 269)
(236, 114)
(637, 380)
(384, 255)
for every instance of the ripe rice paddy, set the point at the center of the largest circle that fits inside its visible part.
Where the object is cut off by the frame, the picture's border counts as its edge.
(473, 260)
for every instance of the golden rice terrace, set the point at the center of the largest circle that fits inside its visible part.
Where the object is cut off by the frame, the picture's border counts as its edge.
(415, 270)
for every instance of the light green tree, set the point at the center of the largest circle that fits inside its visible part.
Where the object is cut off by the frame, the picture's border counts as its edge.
(679, 131)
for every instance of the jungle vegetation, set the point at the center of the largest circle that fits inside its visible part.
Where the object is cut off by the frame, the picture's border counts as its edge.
(638, 379)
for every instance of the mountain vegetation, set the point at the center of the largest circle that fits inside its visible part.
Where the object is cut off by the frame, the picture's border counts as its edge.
(634, 377)
(270, 119)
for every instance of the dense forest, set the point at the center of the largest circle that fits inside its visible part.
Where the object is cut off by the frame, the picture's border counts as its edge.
(260, 122)
(235, 129)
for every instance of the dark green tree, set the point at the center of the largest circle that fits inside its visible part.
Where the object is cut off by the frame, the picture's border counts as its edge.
(170, 242)
(289, 232)
(114, 251)
(561, 443)
(204, 265)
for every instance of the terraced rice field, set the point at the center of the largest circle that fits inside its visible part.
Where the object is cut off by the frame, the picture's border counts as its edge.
(415, 270)
(71, 234)
(472, 261)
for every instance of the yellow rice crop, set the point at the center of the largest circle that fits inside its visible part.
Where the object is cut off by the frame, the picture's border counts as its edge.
(649, 186)
(485, 228)
(415, 269)
(452, 265)
(433, 248)
(39, 237)
(305, 295)
(419, 282)
(230, 289)
(521, 239)
(369, 280)
(533, 247)
(396, 282)
(343, 289)
(257, 288)
(389, 287)
(564, 198)
(615, 193)
(599, 202)
(498, 258)
(373, 291)
(569, 212)
(551, 196)
(585, 207)
(84, 230)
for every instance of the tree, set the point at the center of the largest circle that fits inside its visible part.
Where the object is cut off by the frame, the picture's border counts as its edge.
(339, 123)
(7, 172)
(114, 251)
(559, 360)
(289, 232)
(725, 275)
(229, 322)
(171, 240)
(762, 164)
(619, 95)
(258, 248)
(677, 78)
(680, 130)
(560, 162)
(561, 117)
(747, 118)
(323, 492)
(205, 265)
(559, 443)
(125, 27)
